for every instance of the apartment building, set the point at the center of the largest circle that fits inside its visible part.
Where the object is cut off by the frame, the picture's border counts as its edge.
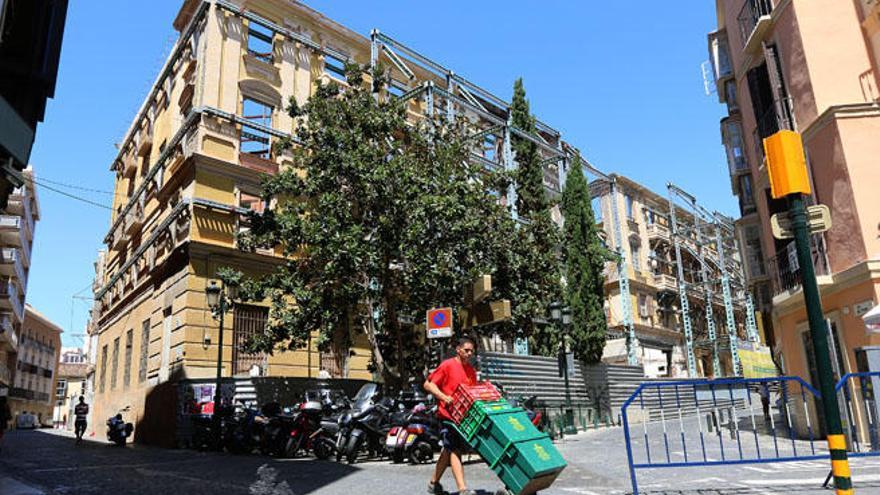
(189, 168)
(656, 285)
(810, 66)
(35, 378)
(17, 226)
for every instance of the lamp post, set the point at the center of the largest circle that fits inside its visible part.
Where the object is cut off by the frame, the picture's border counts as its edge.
(561, 316)
(217, 296)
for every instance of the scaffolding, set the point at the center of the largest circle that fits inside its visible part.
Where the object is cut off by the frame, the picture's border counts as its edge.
(710, 277)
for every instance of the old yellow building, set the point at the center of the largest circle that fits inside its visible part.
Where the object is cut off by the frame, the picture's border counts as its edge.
(190, 166)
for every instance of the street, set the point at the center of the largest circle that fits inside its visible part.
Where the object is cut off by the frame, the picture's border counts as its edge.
(36, 462)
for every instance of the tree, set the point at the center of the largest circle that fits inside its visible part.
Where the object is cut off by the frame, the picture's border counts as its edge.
(379, 220)
(536, 271)
(584, 262)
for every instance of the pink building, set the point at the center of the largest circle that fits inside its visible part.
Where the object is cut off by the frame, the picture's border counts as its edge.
(810, 66)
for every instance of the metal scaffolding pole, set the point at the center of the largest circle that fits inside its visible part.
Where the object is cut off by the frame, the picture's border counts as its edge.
(623, 280)
(728, 301)
(710, 296)
(682, 289)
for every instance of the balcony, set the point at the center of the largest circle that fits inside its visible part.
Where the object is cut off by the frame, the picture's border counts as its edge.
(754, 21)
(779, 116)
(784, 273)
(258, 163)
(12, 231)
(719, 56)
(134, 219)
(11, 265)
(144, 140)
(8, 334)
(657, 231)
(665, 282)
(9, 298)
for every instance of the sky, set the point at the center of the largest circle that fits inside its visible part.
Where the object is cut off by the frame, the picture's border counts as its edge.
(621, 81)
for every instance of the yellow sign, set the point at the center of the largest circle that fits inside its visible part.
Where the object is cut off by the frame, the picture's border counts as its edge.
(757, 364)
(786, 164)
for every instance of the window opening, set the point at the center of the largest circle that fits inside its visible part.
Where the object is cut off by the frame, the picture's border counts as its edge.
(256, 141)
(259, 43)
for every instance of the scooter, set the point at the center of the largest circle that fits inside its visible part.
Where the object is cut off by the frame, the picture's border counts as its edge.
(417, 440)
(118, 430)
(368, 429)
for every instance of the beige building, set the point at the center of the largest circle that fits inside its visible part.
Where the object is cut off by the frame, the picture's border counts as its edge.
(655, 290)
(35, 377)
(810, 66)
(190, 166)
(17, 225)
(72, 384)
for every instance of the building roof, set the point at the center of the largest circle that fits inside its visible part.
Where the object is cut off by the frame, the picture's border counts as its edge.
(31, 312)
(73, 370)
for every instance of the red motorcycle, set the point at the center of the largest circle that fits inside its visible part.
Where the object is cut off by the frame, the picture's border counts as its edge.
(306, 434)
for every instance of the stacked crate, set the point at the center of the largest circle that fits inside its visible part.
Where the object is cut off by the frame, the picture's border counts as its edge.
(524, 458)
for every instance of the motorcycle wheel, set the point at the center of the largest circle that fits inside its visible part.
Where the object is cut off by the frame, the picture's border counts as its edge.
(294, 446)
(421, 453)
(352, 449)
(322, 448)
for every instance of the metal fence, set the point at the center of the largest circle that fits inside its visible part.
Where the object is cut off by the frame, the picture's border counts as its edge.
(744, 421)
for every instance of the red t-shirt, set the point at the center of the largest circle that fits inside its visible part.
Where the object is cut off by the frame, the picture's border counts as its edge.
(448, 376)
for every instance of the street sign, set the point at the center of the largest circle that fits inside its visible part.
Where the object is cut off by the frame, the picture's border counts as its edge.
(818, 220)
(438, 323)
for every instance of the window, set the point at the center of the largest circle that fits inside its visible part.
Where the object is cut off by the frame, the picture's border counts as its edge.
(746, 197)
(101, 381)
(636, 248)
(61, 388)
(490, 147)
(733, 145)
(126, 377)
(730, 96)
(650, 216)
(248, 321)
(256, 141)
(397, 88)
(114, 367)
(334, 67)
(629, 207)
(596, 203)
(259, 43)
(145, 351)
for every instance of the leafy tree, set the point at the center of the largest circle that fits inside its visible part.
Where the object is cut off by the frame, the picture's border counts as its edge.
(379, 220)
(585, 258)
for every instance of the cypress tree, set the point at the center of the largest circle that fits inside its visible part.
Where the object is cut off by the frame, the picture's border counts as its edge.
(584, 263)
(531, 197)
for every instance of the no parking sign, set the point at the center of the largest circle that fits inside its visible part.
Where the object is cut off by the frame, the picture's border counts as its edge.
(439, 323)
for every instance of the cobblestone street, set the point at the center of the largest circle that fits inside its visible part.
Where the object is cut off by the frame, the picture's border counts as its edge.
(47, 462)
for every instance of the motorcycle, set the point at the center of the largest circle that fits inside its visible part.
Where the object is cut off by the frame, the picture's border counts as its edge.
(348, 421)
(118, 430)
(307, 433)
(417, 440)
(533, 411)
(242, 432)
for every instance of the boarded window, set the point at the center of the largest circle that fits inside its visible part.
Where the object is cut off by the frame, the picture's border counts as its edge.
(248, 320)
(114, 368)
(129, 343)
(145, 351)
(102, 380)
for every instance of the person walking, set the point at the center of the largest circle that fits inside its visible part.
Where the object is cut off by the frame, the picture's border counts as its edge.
(5, 414)
(81, 413)
(441, 383)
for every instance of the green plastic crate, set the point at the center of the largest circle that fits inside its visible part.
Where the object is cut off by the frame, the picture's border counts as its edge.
(480, 409)
(501, 429)
(529, 466)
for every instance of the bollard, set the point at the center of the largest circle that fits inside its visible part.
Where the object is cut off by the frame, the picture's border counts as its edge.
(709, 422)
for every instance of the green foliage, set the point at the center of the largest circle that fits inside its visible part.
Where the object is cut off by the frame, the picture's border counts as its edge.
(536, 272)
(380, 220)
(585, 257)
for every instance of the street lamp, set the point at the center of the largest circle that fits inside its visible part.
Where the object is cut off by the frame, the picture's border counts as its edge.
(561, 316)
(217, 296)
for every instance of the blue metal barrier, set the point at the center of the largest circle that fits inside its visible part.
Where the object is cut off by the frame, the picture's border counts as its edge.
(701, 408)
(858, 391)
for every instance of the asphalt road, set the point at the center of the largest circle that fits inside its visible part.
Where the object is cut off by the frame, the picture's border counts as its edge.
(48, 462)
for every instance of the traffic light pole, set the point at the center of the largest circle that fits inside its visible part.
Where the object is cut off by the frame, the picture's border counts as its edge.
(819, 336)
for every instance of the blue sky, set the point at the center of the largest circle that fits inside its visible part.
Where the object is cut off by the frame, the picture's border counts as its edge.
(620, 80)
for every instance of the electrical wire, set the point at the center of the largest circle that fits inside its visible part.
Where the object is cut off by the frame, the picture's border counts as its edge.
(72, 186)
(69, 195)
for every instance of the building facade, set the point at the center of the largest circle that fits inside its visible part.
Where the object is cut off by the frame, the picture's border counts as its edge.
(656, 285)
(812, 67)
(30, 49)
(72, 384)
(190, 166)
(17, 226)
(35, 377)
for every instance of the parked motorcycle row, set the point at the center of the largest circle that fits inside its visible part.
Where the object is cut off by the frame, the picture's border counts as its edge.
(328, 424)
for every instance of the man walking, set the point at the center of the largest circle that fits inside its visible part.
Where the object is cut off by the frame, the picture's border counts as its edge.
(81, 412)
(442, 384)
